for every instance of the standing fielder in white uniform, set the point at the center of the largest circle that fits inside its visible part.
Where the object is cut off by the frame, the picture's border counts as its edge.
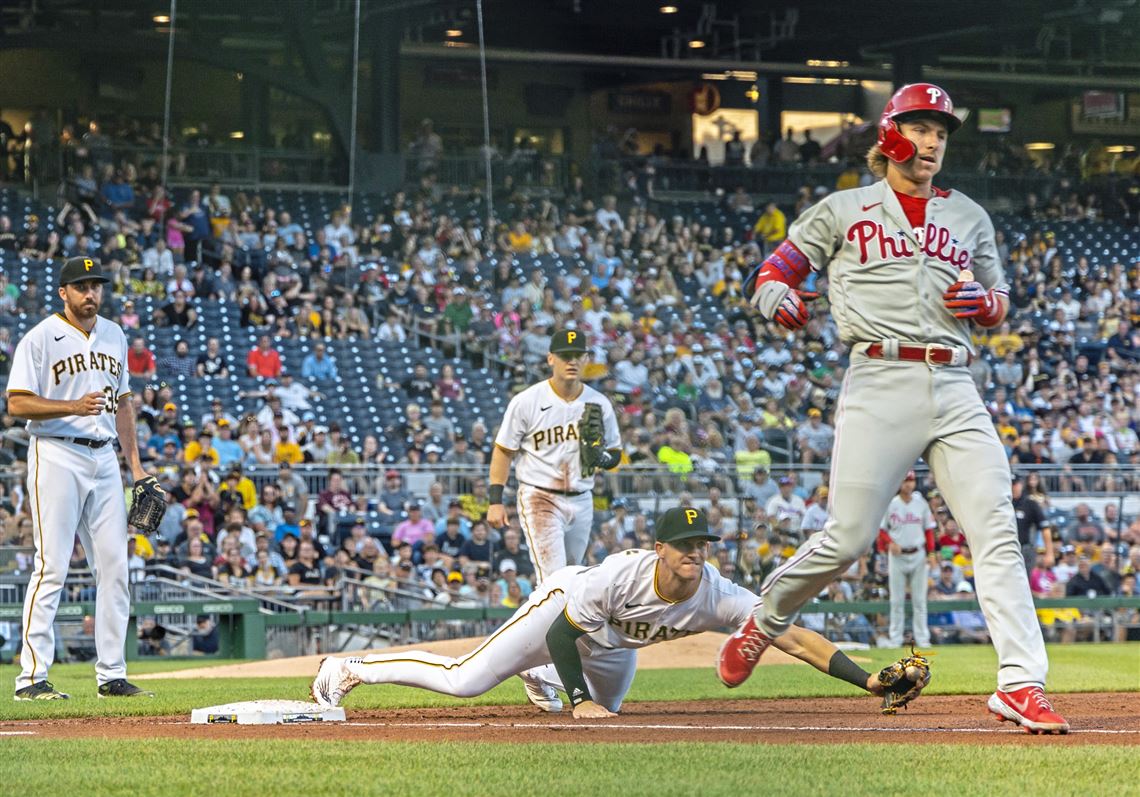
(907, 535)
(540, 427)
(909, 267)
(589, 621)
(69, 380)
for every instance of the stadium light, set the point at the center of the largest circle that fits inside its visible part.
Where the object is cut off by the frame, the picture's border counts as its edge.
(696, 44)
(237, 135)
(453, 33)
(161, 19)
(1040, 145)
(668, 9)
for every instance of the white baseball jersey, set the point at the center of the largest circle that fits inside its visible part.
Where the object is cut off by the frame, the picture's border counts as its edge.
(543, 428)
(906, 522)
(886, 278)
(58, 360)
(793, 507)
(618, 606)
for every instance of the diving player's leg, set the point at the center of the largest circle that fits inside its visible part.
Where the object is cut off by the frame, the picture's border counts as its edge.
(102, 531)
(53, 499)
(518, 645)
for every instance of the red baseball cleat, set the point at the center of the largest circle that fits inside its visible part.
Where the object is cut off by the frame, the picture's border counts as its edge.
(739, 654)
(1029, 708)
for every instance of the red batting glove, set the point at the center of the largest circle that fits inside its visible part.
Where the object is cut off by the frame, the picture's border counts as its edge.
(792, 313)
(970, 300)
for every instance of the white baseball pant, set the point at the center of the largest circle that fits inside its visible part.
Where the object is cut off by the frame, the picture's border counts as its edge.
(556, 527)
(890, 413)
(75, 489)
(519, 645)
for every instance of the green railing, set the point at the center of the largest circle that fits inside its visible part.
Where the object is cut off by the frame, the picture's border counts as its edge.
(242, 626)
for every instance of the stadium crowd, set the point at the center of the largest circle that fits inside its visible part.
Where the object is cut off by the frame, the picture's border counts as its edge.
(730, 408)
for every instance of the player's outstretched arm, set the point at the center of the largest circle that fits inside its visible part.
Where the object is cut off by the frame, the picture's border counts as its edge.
(817, 651)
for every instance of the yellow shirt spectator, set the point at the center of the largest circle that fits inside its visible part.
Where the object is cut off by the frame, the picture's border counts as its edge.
(143, 547)
(748, 461)
(243, 486)
(772, 226)
(288, 451)
(1003, 342)
(677, 461)
(195, 450)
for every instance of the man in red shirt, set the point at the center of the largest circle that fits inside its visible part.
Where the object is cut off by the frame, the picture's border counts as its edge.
(263, 360)
(140, 360)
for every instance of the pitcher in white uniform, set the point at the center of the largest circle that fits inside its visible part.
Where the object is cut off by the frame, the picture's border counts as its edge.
(590, 621)
(910, 269)
(539, 432)
(69, 380)
(907, 535)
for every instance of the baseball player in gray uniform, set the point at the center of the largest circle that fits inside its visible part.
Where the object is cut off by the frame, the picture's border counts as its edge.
(911, 268)
(907, 536)
(540, 428)
(69, 381)
(590, 621)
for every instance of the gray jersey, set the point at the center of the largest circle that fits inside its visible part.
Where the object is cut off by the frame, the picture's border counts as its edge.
(886, 279)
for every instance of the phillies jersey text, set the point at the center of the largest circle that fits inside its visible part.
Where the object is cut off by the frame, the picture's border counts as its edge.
(886, 278)
(906, 522)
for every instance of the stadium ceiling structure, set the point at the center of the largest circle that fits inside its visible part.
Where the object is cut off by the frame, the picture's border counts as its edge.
(1068, 42)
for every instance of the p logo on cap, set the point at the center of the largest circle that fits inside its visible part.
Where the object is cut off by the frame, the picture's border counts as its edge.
(88, 264)
(691, 515)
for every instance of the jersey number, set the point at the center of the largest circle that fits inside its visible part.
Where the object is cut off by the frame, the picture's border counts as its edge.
(112, 402)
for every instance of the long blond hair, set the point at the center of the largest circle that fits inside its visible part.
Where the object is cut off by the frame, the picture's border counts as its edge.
(877, 161)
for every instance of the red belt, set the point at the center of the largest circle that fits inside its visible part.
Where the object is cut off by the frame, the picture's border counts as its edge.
(932, 354)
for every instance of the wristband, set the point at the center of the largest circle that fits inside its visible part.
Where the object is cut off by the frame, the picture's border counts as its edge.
(844, 669)
(495, 493)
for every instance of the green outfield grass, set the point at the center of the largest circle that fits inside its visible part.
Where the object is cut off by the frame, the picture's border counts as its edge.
(957, 670)
(315, 769)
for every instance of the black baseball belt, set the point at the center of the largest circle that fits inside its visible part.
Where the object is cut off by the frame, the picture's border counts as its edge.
(82, 441)
(569, 493)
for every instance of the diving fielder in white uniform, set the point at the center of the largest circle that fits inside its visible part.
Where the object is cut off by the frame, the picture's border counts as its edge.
(69, 380)
(540, 427)
(908, 529)
(589, 621)
(910, 269)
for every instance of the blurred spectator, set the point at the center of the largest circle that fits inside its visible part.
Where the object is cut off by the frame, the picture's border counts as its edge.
(263, 360)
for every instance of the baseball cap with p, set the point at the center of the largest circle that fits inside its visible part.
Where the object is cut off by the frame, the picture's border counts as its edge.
(568, 341)
(80, 269)
(683, 523)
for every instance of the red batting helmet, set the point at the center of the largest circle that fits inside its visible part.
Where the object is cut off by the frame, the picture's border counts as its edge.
(915, 98)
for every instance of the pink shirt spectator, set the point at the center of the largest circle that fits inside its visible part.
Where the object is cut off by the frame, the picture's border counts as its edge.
(414, 530)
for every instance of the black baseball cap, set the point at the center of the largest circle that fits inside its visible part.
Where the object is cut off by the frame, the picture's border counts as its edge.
(684, 523)
(79, 269)
(568, 341)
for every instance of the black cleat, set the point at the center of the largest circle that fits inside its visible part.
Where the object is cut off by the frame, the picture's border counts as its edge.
(121, 687)
(40, 690)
